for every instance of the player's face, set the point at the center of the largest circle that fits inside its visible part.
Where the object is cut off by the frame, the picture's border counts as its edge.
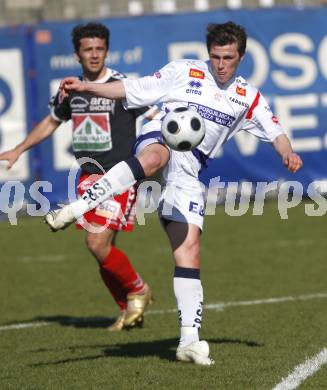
(91, 55)
(224, 60)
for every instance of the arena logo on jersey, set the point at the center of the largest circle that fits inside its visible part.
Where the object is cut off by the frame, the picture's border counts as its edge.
(102, 104)
(198, 74)
(195, 85)
(241, 91)
(213, 115)
(91, 132)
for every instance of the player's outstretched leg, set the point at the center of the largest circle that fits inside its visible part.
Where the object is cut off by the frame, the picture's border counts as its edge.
(116, 181)
(59, 219)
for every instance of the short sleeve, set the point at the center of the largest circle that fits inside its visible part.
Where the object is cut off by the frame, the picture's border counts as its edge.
(60, 110)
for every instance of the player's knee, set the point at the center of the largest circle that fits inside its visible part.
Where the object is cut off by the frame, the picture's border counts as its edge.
(154, 159)
(188, 255)
(98, 247)
(151, 162)
(193, 251)
(92, 244)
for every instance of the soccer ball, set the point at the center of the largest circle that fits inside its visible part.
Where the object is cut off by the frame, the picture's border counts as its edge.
(183, 129)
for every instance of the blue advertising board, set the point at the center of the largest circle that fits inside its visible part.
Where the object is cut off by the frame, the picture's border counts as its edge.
(15, 96)
(16, 113)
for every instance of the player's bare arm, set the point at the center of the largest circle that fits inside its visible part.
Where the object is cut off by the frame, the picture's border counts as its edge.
(40, 132)
(114, 90)
(283, 147)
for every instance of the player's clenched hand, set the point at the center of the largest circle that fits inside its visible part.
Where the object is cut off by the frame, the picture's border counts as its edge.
(11, 156)
(292, 161)
(70, 84)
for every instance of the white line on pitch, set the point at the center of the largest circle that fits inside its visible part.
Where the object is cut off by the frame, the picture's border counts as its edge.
(294, 242)
(24, 325)
(42, 258)
(303, 371)
(210, 306)
(223, 305)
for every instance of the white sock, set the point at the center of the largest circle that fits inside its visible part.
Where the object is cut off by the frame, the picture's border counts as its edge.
(188, 335)
(189, 295)
(116, 181)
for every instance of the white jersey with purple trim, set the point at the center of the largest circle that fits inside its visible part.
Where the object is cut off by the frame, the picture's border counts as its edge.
(226, 108)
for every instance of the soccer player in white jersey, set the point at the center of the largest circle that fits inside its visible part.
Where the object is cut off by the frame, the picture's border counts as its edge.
(228, 104)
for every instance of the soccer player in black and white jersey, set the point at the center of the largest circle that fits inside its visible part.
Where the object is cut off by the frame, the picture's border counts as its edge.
(228, 105)
(104, 133)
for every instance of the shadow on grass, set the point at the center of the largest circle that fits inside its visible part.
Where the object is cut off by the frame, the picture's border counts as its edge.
(163, 349)
(78, 322)
(63, 320)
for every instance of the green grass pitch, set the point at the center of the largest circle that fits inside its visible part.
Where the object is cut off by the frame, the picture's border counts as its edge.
(51, 281)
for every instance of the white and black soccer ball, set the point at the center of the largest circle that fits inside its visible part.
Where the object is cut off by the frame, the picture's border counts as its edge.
(183, 129)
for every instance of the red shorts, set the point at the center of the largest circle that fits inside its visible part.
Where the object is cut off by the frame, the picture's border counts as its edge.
(117, 213)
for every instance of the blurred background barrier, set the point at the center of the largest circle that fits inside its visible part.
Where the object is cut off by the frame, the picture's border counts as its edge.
(286, 58)
(34, 11)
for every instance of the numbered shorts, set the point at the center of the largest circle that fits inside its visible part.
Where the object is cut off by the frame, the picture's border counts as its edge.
(182, 205)
(117, 213)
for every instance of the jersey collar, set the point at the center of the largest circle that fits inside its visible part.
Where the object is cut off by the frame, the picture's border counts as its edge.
(104, 78)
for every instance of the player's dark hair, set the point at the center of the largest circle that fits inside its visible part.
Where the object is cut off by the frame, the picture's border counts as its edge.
(226, 34)
(89, 30)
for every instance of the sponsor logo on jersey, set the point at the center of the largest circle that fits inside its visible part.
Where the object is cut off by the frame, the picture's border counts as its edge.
(239, 102)
(157, 75)
(91, 132)
(101, 104)
(213, 115)
(78, 103)
(239, 81)
(241, 91)
(195, 85)
(198, 74)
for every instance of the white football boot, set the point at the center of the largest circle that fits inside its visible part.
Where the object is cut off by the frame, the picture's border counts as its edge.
(197, 352)
(60, 219)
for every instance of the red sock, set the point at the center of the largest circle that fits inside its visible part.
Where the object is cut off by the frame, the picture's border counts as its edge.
(119, 276)
(114, 287)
